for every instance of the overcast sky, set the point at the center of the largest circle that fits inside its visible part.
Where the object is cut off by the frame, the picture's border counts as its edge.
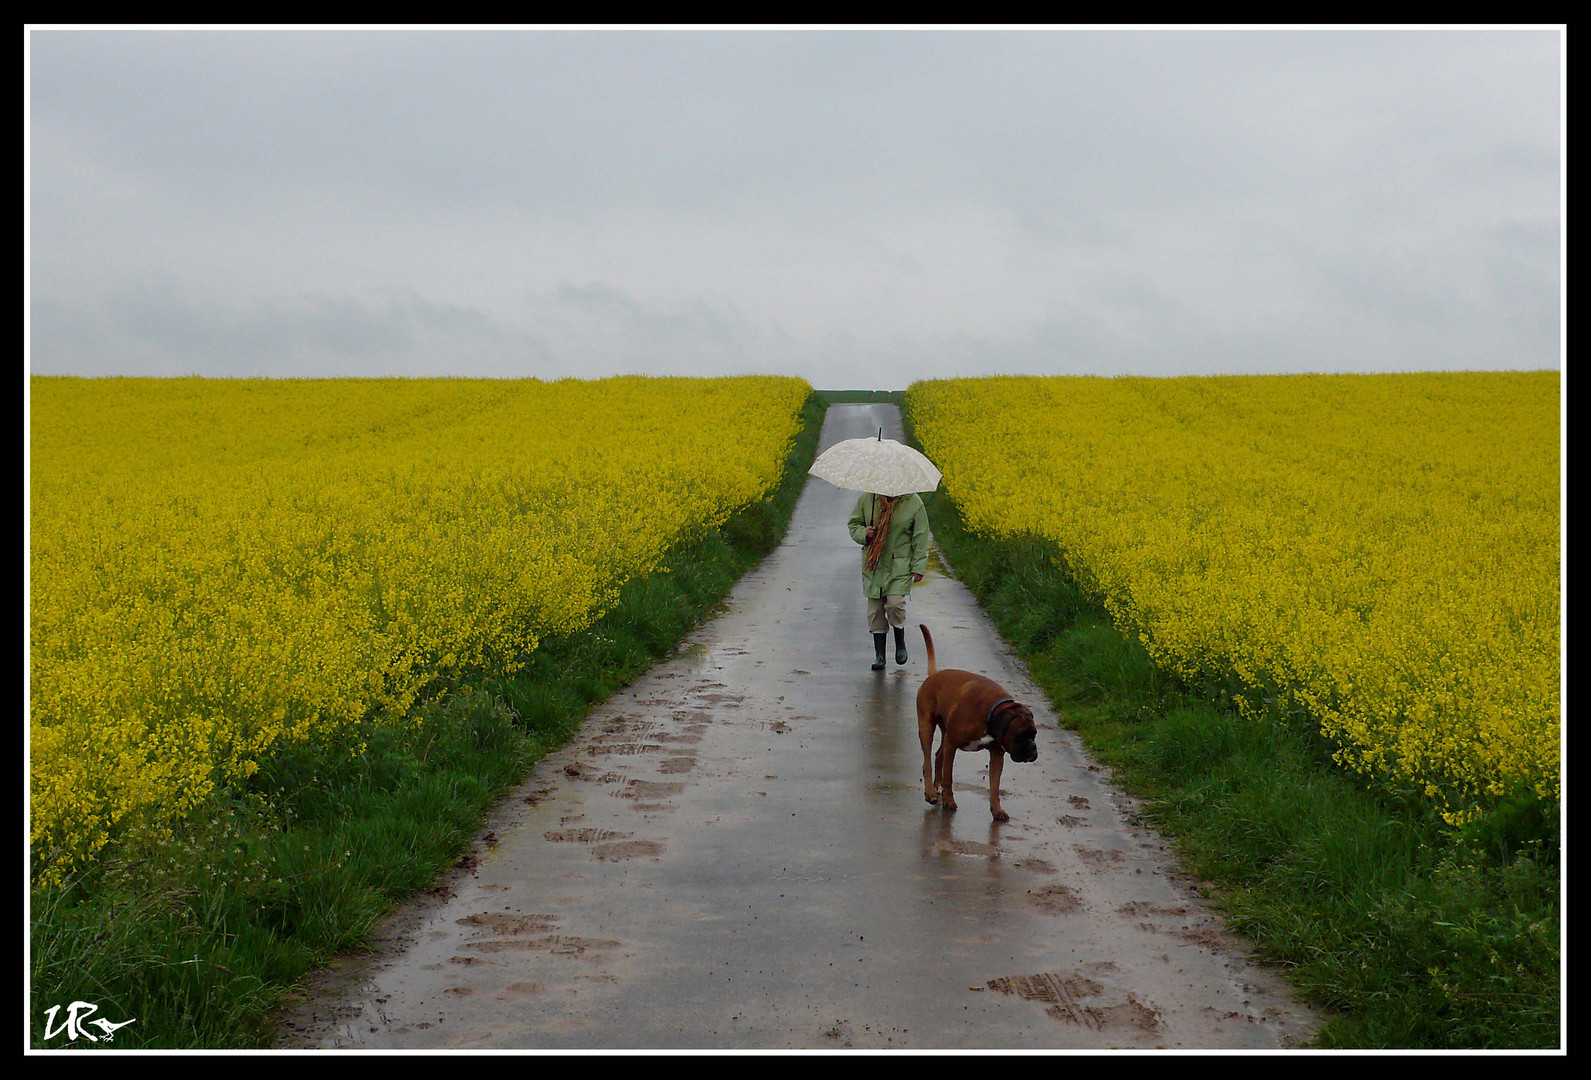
(860, 208)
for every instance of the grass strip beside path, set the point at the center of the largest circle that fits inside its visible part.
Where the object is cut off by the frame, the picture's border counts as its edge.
(1410, 934)
(200, 937)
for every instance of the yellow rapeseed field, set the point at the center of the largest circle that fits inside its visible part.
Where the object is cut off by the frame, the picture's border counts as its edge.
(221, 565)
(1382, 550)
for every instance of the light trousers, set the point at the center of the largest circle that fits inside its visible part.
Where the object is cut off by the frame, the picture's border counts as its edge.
(882, 610)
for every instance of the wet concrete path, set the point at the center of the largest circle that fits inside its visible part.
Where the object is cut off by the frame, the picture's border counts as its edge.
(735, 853)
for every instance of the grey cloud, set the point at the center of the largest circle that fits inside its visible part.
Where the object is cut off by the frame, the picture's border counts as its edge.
(573, 330)
(840, 205)
(306, 336)
(697, 336)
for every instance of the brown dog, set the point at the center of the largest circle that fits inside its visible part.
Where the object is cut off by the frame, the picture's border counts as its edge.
(973, 713)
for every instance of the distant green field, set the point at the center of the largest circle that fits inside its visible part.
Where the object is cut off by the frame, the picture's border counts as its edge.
(854, 397)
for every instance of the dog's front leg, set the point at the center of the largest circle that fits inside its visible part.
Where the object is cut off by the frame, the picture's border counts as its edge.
(996, 763)
(947, 790)
(925, 734)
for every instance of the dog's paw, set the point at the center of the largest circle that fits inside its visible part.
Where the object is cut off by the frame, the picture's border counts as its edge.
(930, 796)
(1000, 815)
(948, 803)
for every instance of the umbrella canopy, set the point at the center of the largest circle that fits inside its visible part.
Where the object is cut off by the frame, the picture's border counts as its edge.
(881, 466)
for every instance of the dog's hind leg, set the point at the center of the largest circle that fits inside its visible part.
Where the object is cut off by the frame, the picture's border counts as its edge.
(925, 735)
(947, 763)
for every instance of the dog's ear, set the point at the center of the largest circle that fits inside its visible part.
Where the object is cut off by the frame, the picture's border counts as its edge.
(1021, 719)
(1015, 717)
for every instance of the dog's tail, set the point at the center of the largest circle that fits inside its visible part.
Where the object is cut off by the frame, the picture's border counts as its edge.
(929, 642)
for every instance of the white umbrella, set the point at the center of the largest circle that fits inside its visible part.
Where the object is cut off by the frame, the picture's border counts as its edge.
(880, 466)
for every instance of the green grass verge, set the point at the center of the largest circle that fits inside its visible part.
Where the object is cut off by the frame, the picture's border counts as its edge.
(199, 937)
(1409, 934)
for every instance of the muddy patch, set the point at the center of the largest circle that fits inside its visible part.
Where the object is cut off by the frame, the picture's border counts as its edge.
(1055, 899)
(628, 849)
(1038, 866)
(516, 991)
(581, 770)
(1078, 802)
(1070, 822)
(649, 789)
(1131, 1013)
(1099, 858)
(557, 944)
(585, 836)
(1212, 938)
(1058, 993)
(676, 765)
(1140, 908)
(501, 922)
(626, 749)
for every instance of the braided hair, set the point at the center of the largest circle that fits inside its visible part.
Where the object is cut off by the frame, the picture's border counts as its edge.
(875, 548)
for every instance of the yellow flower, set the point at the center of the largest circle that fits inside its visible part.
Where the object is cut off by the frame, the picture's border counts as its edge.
(1380, 550)
(220, 566)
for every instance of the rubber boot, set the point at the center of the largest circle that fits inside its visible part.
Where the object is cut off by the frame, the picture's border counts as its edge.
(900, 644)
(878, 648)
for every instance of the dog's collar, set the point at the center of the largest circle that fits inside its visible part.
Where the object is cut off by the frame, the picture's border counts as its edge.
(995, 735)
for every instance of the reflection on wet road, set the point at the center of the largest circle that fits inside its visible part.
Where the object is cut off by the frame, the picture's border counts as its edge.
(735, 852)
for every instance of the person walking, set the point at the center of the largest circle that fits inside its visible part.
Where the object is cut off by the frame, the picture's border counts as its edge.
(893, 532)
(890, 522)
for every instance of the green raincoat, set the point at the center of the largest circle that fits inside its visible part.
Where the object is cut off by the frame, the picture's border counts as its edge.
(905, 548)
